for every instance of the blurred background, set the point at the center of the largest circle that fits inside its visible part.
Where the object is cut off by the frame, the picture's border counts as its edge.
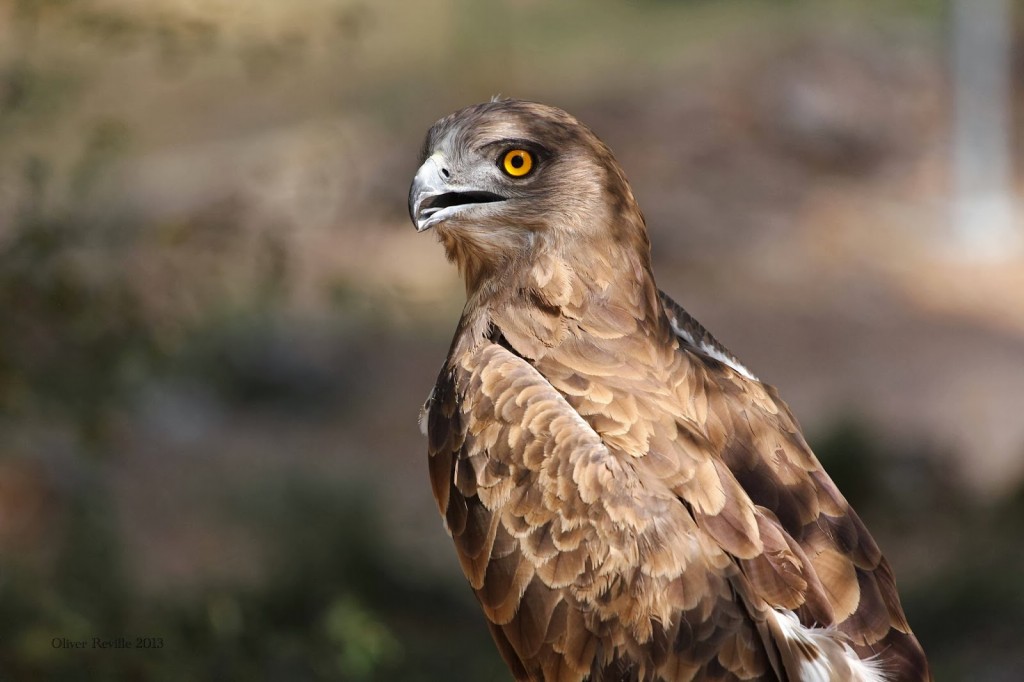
(217, 325)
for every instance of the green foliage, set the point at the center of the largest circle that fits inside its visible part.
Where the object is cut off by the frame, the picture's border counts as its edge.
(81, 594)
(365, 643)
(335, 602)
(31, 95)
(73, 336)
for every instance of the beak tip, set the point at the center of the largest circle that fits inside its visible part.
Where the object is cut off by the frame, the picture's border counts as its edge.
(427, 182)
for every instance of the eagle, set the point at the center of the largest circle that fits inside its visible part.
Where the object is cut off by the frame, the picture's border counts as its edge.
(626, 499)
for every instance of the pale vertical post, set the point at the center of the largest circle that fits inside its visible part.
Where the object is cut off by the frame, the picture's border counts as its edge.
(984, 214)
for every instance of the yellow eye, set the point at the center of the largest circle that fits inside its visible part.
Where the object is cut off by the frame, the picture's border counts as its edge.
(517, 162)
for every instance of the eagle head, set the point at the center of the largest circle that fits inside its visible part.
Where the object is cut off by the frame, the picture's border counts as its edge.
(507, 179)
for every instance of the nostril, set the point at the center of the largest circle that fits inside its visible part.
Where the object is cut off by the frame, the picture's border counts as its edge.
(445, 173)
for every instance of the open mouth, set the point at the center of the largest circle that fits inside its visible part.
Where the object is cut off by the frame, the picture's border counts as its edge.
(433, 199)
(433, 204)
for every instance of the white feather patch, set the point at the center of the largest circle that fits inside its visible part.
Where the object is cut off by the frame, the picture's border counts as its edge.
(870, 669)
(825, 656)
(709, 350)
(425, 413)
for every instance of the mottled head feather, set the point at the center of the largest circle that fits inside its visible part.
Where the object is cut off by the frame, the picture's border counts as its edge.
(577, 195)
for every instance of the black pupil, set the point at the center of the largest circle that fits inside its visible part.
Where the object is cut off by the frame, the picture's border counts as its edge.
(517, 161)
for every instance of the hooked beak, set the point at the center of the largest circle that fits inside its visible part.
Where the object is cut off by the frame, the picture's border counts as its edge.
(432, 199)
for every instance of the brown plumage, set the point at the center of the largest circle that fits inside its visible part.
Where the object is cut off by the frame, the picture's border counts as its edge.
(627, 501)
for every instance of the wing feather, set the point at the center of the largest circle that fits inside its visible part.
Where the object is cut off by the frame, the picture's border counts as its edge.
(819, 559)
(585, 557)
(608, 501)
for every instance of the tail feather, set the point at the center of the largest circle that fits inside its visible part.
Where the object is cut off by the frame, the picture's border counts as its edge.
(812, 654)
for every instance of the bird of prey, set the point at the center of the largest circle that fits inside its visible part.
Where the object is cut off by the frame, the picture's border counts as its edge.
(627, 500)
